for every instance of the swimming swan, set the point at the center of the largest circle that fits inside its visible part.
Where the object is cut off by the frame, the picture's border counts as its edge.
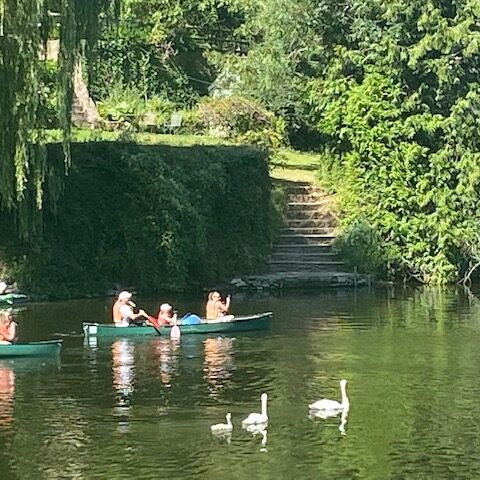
(257, 418)
(223, 427)
(332, 405)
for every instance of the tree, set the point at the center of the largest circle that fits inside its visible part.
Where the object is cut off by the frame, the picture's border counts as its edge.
(24, 26)
(161, 47)
(398, 109)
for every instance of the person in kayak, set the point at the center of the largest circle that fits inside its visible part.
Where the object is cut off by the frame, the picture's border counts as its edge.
(8, 328)
(216, 308)
(123, 314)
(167, 315)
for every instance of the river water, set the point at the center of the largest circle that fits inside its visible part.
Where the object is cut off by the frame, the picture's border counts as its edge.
(142, 408)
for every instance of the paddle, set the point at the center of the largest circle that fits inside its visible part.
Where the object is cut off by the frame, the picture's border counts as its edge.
(154, 323)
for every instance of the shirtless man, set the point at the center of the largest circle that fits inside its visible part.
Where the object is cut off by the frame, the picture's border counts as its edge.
(122, 311)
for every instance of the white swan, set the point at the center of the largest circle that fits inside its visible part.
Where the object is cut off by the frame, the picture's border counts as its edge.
(223, 427)
(257, 418)
(331, 407)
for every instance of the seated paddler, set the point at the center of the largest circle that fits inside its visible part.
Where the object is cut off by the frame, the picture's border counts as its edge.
(8, 328)
(167, 315)
(123, 314)
(216, 308)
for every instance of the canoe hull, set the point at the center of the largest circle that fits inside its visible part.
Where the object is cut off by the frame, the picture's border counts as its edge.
(238, 324)
(32, 349)
(7, 299)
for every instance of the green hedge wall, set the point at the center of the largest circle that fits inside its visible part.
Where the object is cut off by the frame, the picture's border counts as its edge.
(152, 217)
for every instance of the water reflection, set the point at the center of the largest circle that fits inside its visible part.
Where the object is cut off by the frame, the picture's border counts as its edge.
(325, 414)
(123, 370)
(259, 429)
(263, 443)
(225, 436)
(217, 363)
(167, 352)
(7, 395)
(414, 383)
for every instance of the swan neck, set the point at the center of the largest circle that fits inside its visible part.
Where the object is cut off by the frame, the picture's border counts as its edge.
(345, 401)
(264, 406)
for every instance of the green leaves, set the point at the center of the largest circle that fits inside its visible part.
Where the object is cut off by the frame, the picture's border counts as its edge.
(403, 139)
(24, 26)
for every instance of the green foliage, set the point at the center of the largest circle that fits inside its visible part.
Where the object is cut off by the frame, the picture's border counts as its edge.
(398, 113)
(156, 217)
(24, 26)
(279, 199)
(360, 246)
(48, 93)
(242, 120)
(129, 108)
(160, 47)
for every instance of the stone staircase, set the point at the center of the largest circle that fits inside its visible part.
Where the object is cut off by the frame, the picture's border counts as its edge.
(302, 256)
(305, 242)
(84, 110)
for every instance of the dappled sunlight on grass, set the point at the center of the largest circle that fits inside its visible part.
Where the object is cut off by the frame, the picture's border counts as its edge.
(295, 166)
(142, 138)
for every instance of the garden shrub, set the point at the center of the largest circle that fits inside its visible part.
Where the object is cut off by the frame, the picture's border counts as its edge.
(242, 120)
(360, 247)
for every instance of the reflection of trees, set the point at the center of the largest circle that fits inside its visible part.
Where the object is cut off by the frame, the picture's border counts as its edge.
(410, 355)
(50, 432)
(217, 363)
(7, 394)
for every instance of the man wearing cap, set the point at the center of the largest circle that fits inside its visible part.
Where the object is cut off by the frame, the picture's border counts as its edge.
(166, 316)
(123, 314)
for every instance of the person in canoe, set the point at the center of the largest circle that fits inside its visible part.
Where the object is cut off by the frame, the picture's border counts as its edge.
(8, 328)
(167, 315)
(123, 314)
(216, 308)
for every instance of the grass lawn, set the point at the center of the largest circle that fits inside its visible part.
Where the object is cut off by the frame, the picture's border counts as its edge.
(295, 166)
(142, 138)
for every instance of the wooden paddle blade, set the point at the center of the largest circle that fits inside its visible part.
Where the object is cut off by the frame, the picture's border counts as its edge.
(154, 323)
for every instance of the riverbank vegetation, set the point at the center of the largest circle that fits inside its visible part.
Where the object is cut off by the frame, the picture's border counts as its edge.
(385, 94)
(148, 216)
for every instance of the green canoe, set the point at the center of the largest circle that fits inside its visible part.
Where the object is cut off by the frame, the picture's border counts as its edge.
(244, 323)
(32, 349)
(8, 299)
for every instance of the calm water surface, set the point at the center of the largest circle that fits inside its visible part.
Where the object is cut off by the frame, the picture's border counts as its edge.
(143, 408)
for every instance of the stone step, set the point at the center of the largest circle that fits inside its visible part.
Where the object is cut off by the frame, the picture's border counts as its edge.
(300, 188)
(309, 214)
(324, 230)
(295, 223)
(306, 257)
(289, 266)
(306, 197)
(300, 225)
(314, 239)
(300, 249)
(293, 206)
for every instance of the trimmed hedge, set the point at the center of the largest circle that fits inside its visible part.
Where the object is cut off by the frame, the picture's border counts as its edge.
(152, 217)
